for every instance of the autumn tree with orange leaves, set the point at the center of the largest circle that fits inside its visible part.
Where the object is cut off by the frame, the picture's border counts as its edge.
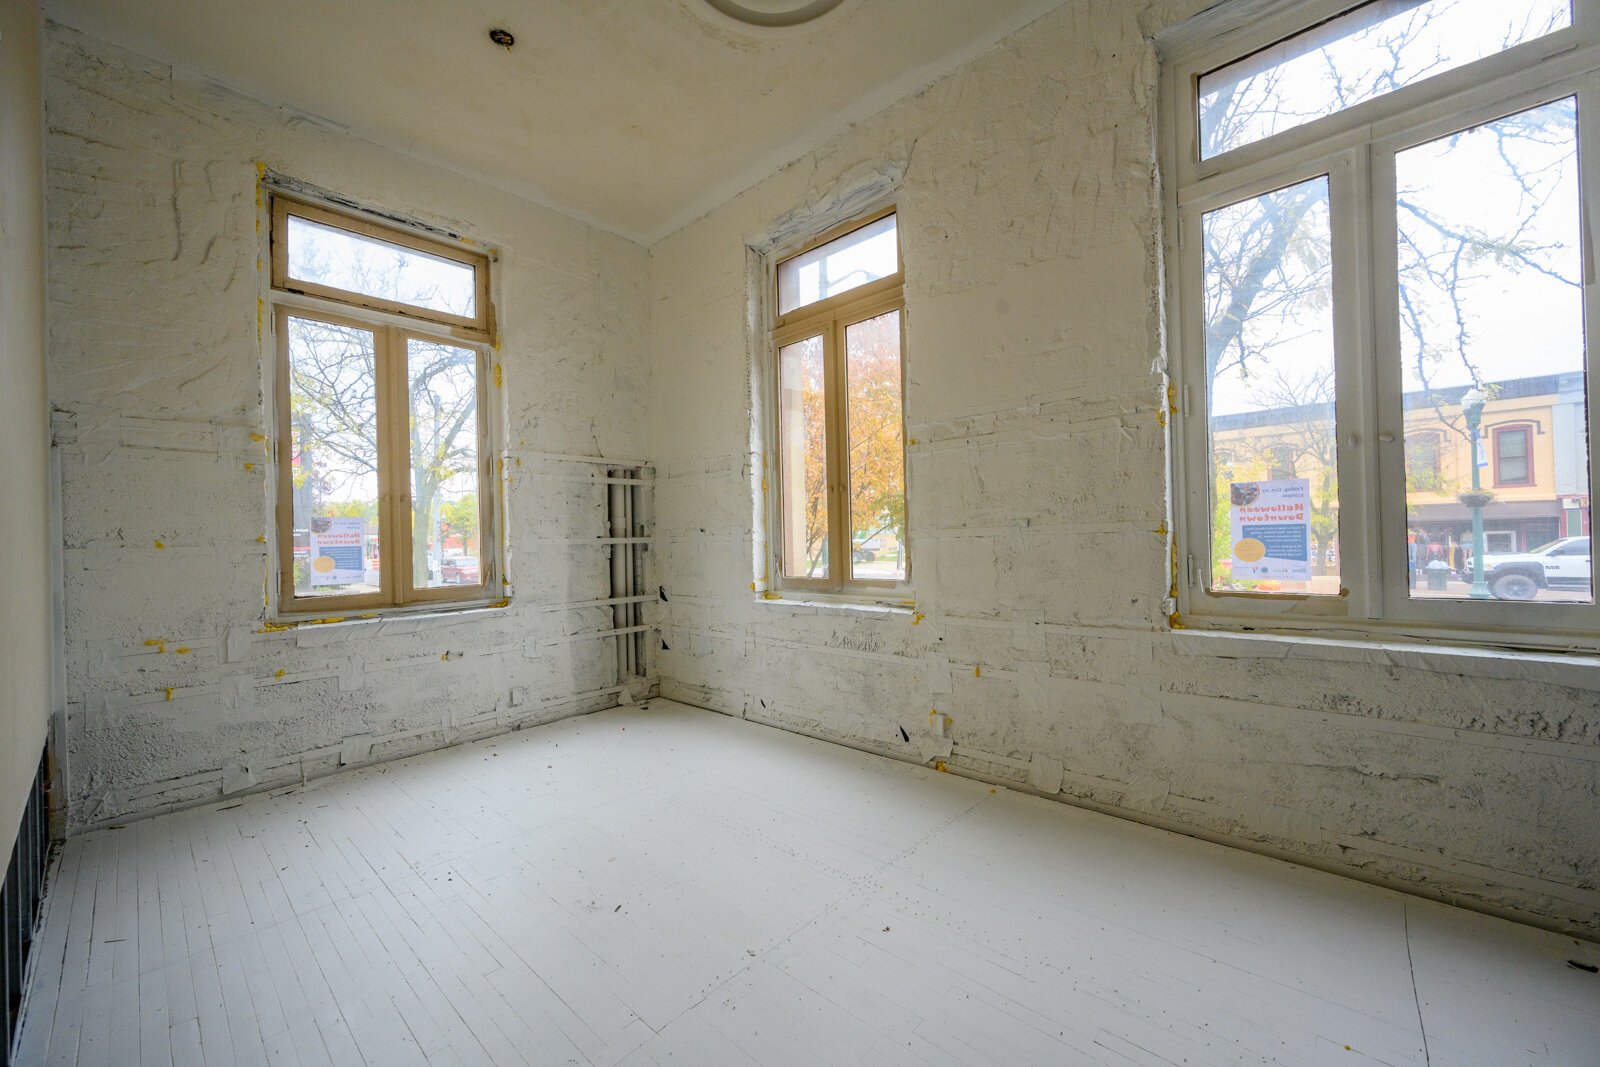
(875, 432)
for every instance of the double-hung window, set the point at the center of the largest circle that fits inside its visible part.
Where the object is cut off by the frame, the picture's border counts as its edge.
(839, 520)
(385, 492)
(1381, 278)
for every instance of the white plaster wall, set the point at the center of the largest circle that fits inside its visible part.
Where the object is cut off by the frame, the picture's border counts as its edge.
(26, 616)
(157, 385)
(1030, 223)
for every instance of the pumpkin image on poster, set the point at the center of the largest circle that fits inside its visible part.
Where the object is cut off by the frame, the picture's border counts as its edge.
(1249, 550)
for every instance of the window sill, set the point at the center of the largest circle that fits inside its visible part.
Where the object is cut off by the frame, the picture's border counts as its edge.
(1580, 670)
(840, 605)
(474, 609)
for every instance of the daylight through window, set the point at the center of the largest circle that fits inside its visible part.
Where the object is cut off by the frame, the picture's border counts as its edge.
(1379, 285)
(840, 516)
(385, 492)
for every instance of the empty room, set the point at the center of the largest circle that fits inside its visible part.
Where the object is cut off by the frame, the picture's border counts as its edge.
(767, 532)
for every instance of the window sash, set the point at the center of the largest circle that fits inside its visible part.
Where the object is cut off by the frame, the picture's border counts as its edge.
(1534, 622)
(830, 319)
(1341, 29)
(476, 327)
(1216, 39)
(801, 306)
(891, 284)
(396, 585)
(1503, 435)
(1357, 151)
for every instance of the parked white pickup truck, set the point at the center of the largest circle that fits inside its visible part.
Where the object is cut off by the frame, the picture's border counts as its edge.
(1562, 564)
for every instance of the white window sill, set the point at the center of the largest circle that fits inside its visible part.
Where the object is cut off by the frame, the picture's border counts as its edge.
(417, 613)
(838, 605)
(1580, 670)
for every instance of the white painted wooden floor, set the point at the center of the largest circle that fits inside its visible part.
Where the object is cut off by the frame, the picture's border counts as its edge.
(669, 886)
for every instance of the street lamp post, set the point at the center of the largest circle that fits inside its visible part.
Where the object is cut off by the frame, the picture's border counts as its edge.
(1472, 408)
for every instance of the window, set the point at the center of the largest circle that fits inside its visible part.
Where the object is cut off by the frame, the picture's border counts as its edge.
(1424, 462)
(839, 520)
(1376, 232)
(1513, 457)
(385, 485)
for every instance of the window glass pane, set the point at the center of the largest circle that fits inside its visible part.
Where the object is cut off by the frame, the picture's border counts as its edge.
(326, 255)
(877, 448)
(1373, 50)
(1492, 350)
(1269, 369)
(802, 459)
(446, 536)
(1511, 457)
(859, 257)
(333, 458)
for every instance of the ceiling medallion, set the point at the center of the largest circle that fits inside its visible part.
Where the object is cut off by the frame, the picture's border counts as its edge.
(774, 14)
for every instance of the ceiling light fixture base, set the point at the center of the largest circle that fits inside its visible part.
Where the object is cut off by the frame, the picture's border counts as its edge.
(770, 16)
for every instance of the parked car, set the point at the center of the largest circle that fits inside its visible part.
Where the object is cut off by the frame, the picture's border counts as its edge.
(459, 570)
(1562, 564)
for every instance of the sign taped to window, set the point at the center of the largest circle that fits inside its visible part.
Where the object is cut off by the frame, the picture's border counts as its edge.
(336, 545)
(1270, 527)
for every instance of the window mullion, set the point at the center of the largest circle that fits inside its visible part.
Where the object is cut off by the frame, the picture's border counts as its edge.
(1359, 347)
(394, 467)
(838, 456)
(1389, 527)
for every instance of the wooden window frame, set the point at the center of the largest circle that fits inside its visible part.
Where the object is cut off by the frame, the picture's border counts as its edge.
(829, 319)
(1354, 150)
(1526, 430)
(478, 327)
(391, 331)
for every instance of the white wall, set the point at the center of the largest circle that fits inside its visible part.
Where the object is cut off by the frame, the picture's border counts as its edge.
(157, 379)
(26, 617)
(1030, 223)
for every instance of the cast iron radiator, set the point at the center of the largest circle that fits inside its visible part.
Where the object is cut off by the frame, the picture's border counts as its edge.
(20, 900)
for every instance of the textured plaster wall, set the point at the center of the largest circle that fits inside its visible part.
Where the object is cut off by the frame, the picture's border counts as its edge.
(1030, 220)
(26, 616)
(176, 693)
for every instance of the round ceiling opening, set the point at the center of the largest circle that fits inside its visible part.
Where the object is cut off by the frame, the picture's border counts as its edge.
(774, 14)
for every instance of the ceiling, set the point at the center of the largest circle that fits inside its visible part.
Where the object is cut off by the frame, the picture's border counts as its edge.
(636, 115)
